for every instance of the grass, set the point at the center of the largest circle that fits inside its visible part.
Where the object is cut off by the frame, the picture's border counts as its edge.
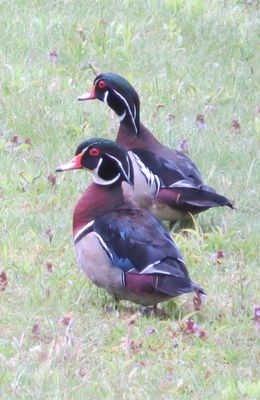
(192, 57)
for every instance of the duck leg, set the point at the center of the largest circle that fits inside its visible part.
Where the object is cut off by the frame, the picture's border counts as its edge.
(112, 308)
(149, 311)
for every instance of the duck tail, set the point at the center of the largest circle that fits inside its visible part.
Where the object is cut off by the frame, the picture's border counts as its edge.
(174, 286)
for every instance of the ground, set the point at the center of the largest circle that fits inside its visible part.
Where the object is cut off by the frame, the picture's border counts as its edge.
(194, 64)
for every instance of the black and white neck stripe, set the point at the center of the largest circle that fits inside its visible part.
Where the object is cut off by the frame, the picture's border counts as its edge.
(152, 180)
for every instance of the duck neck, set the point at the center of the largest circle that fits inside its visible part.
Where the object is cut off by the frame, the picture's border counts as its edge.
(145, 139)
(95, 201)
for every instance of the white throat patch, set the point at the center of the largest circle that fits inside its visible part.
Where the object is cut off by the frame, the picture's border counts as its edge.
(98, 180)
(129, 110)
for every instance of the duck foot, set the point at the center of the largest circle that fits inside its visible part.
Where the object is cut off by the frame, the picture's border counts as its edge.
(171, 224)
(149, 311)
(109, 309)
(112, 307)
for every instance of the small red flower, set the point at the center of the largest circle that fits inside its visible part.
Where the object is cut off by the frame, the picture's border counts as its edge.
(49, 233)
(198, 301)
(28, 141)
(200, 121)
(49, 267)
(171, 117)
(200, 118)
(191, 328)
(257, 316)
(236, 125)
(36, 329)
(15, 140)
(3, 280)
(159, 105)
(218, 256)
(52, 179)
(81, 372)
(53, 56)
(150, 330)
(184, 146)
(66, 320)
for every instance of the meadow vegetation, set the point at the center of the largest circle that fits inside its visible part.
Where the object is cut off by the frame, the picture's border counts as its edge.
(194, 64)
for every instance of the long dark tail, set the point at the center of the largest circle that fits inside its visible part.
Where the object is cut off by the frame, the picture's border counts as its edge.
(204, 197)
(175, 286)
(192, 199)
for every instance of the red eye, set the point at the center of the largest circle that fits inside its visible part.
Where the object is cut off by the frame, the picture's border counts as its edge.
(102, 84)
(94, 152)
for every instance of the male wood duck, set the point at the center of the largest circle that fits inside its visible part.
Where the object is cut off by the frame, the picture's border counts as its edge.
(120, 247)
(182, 189)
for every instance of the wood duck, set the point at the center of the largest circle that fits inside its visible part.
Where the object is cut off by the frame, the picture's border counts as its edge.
(120, 247)
(182, 189)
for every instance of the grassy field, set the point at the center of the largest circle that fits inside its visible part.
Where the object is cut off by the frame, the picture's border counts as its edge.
(194, 64)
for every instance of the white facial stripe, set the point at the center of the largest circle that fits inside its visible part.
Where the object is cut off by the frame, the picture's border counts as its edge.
(129, 110)
(96, 177)
(105, 97)
(134, 111)
(85, 149)
(95, 171)
(100, 181)
(120, 166)
(121, 117)
(85, 227)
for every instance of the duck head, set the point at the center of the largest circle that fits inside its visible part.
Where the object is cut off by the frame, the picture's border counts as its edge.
(118, 94)
(107, 160)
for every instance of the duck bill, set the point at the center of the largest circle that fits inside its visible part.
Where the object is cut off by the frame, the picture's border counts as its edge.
(75, 163)
(88, 96)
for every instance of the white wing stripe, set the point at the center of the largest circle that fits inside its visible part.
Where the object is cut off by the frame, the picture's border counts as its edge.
(183, 183)
(85, 227)
(103, 244)
(149, 267)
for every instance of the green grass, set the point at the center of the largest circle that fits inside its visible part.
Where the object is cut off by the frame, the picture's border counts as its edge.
(193, 57)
